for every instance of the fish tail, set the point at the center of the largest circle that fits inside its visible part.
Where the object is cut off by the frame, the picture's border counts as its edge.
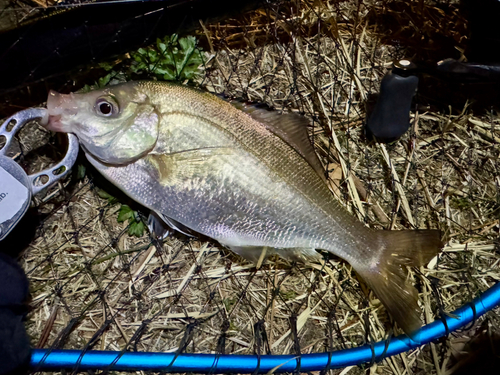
(386, 276)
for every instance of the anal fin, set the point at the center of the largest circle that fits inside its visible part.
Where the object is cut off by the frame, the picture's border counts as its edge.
(251, 253)
(298, 254)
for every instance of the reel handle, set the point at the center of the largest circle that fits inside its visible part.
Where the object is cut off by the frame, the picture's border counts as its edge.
(390, 118)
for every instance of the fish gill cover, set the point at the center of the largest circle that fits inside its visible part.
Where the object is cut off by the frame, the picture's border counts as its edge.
(100, 282)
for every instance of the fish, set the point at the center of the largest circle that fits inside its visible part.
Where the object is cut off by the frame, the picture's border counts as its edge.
(243, 175)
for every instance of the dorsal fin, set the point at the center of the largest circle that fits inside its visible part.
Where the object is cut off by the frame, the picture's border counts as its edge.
(290, 127)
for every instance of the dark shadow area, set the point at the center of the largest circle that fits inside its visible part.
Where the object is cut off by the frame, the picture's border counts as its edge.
(427, 34)
(479, 356)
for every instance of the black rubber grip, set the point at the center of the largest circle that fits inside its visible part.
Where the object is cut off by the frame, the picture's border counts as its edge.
(390, 118)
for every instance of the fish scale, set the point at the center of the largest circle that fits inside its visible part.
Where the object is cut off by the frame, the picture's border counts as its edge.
(244, 176)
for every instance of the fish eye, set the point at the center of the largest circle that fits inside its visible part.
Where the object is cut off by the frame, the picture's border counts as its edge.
(106, 107)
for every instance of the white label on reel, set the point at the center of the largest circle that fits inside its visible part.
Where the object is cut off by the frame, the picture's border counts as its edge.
(13, 196)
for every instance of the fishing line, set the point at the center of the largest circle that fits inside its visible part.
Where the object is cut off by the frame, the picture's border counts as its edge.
(49, 360)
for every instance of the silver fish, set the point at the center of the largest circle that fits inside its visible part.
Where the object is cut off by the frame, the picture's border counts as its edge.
(244, 176)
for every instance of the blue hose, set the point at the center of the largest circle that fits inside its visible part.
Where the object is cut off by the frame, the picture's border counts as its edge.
(48, 360)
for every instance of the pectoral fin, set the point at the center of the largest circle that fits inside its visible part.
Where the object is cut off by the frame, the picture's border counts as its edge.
(161, 226)
(158, 227)
(177, 167)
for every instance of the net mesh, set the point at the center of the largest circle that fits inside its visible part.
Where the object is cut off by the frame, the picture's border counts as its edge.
(96, 287)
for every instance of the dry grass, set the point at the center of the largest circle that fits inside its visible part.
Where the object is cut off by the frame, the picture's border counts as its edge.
(94, 287)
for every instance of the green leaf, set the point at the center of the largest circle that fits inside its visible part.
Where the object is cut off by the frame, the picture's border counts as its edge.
(86, 89)
(153, 56)
(117, 77)
(169, 59)
(106, 66)
(169, 75)
(289, 295)
(80, 172)
(158, 70)
(103, 81)
(104, 195)
(229, 303)
(125, 213)
(188, 43)
(173, 38)
(161, 46)
(136, 228)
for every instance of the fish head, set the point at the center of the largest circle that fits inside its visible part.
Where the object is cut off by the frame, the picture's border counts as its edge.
(116, 125)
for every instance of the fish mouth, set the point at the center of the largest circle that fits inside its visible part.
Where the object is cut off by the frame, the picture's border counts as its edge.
(59, 105)
(53, 123)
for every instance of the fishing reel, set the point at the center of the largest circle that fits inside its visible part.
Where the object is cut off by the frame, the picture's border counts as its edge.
(390, 118)
(16, 186)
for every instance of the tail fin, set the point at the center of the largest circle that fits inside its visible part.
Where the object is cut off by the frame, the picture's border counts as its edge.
(387, 278)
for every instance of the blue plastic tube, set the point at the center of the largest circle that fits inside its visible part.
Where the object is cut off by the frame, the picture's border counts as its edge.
(46, 360)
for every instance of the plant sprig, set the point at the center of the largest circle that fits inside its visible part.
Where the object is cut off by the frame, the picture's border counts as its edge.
(136, 225)
(171, 59)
